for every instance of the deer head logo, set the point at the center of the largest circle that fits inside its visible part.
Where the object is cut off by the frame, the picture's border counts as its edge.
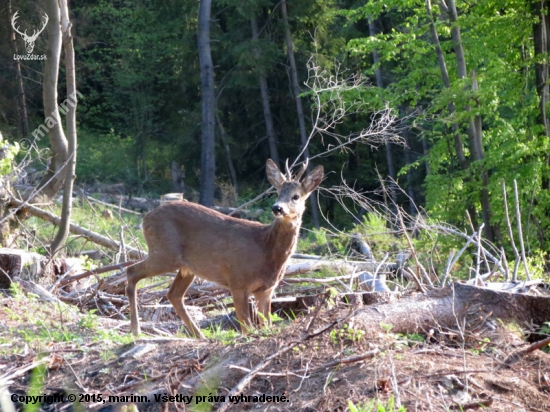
(29, 40)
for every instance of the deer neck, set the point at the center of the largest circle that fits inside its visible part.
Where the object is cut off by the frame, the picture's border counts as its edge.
(281, 239)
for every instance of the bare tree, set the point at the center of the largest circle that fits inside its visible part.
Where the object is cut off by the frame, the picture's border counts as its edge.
(299, 108)
(270, 129)
(63, 231)
(53, 178)
(541, 33)
(208, 102)
(475, 133)
(459, 145)
(380, 83)
(331, 106)
(225, 141)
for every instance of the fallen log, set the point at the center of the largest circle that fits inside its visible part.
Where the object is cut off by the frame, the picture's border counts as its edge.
(97, 271)
(291, 270)
(450, 306)
(341, 266)
(77, 230)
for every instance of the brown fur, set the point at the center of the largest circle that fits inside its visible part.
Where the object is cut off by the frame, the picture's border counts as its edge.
(246, 257)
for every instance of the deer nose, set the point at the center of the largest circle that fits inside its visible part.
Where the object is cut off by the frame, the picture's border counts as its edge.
(277, 210)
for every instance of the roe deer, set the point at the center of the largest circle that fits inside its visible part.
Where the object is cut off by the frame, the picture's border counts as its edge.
(246, 257)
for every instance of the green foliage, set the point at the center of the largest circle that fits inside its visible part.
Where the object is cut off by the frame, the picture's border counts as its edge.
(546, 331)
(89, 320)
(346, 334)
(481, 347)
(224, 336)
(323, 242)
(17, 292)
(375, 405)
(505, 98)
(386, 326)
(380, 237)
(105, 158)
(415, 339)
(138, 70)
(8, 151)
(38, 377)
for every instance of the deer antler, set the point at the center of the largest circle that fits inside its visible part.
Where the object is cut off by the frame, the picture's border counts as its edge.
(304, 168)
(288, 174)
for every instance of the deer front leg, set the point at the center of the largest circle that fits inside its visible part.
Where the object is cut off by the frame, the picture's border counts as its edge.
(263, 302)
(175, 296)
(240, 301)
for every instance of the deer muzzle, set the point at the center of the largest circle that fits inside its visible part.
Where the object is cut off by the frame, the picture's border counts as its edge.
(278, 210)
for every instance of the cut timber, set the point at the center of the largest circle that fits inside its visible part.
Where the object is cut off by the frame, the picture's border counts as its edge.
(292, 306)
(77, 230)
(342, 266)
(25, 265)
(445, 308)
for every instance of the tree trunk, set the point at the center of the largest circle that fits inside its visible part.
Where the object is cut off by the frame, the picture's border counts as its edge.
(70, 119)
(459, 145)
(208, 103)
(540, 42)
(380, 83)
(539, 10)
(54, 176)
(408, 160)
(474, 126)
(232, 171)
(299, 109)
(178, 184)
(270, 129)
(479, 155)
(378, 73)
(21, 98)
(425, 151)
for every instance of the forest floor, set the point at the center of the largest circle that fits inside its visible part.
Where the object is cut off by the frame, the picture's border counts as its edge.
(95, 360)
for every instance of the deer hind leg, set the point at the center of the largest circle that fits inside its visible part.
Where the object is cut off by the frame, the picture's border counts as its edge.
(175, 296)
(240, 301)
(141, 270)
(263, 302)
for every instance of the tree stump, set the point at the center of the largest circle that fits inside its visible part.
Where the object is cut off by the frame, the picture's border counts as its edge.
(25, 265)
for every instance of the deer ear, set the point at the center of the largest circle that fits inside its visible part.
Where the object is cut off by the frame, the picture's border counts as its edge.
(274, 175)
(313, 179)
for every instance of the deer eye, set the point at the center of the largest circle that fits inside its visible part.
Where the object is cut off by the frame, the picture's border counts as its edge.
(295, 197)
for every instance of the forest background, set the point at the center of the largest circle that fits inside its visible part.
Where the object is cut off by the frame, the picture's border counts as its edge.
(467, 82)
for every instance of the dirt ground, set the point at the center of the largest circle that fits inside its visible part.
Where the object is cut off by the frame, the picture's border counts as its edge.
(96, 361)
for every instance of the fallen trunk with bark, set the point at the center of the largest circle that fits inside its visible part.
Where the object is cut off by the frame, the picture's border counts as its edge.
(454, 307)
(77, 230)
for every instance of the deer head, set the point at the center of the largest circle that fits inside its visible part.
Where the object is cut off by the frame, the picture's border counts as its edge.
(292, 192)
(29, 40)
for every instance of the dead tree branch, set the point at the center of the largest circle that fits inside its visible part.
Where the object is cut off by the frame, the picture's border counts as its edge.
(77, 230)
